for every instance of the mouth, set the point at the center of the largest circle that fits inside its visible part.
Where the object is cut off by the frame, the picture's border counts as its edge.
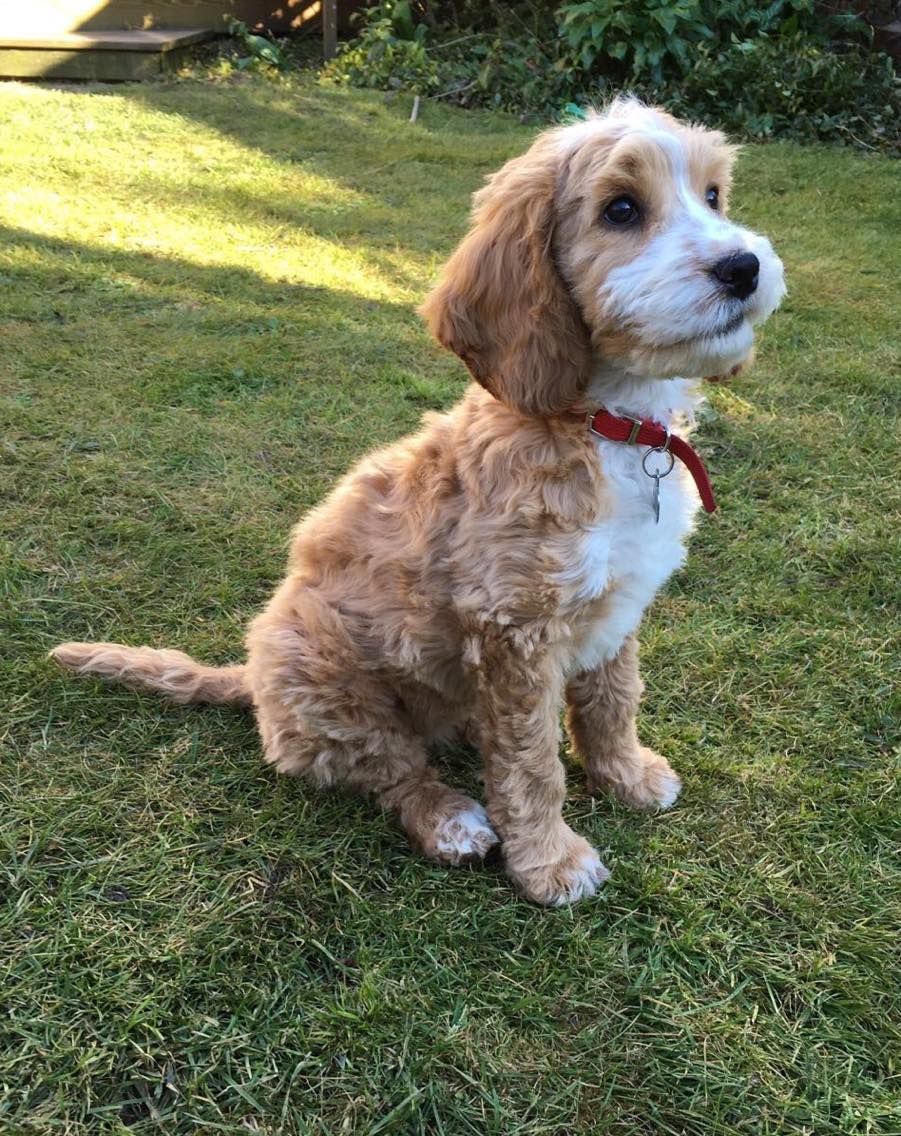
(728, 328)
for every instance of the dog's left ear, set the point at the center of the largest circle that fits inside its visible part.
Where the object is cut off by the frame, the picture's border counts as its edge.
(501, 304)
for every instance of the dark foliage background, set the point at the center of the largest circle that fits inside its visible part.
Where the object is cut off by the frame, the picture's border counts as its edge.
(792, 68)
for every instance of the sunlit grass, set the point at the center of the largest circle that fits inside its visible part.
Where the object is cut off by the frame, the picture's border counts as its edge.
(207, 301)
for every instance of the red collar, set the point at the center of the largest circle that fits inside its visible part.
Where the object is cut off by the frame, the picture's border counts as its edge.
(646, 432)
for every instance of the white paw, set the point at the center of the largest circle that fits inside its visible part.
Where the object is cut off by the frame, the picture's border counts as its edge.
(667, 789)
(467, 835)
(583, 880)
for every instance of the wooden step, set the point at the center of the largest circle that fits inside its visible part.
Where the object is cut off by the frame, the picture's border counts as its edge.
(103, 55)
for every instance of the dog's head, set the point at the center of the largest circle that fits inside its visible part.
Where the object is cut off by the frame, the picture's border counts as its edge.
(605, 247)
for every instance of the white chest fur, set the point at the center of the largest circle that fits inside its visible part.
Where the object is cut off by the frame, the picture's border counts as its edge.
(628, 556)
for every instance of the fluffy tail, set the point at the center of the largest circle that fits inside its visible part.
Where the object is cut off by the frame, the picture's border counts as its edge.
(173, 674)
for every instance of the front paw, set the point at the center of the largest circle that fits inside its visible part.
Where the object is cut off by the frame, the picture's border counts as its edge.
(645, 781)
(574, 872)
(462, 835)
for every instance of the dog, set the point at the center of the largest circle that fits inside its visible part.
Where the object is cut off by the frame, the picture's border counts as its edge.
(482, 574)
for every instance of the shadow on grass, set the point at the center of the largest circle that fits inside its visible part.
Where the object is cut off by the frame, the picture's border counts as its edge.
(304, 122)
(79, 262)
(62, 284)
(384, 182)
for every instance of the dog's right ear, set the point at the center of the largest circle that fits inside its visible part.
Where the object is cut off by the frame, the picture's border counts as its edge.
(501, 304)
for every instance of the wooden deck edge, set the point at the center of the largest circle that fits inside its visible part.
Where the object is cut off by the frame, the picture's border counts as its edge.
(152, 40)
(92, 66)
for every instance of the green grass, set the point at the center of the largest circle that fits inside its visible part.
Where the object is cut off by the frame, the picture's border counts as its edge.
(207, 302)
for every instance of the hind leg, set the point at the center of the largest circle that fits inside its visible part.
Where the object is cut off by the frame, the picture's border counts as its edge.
(326, 714)
(442, 823)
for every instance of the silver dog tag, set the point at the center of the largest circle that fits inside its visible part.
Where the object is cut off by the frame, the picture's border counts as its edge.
(655, 498)
(656, 475)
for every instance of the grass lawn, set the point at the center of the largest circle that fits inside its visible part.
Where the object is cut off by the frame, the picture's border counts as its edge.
(207, 310)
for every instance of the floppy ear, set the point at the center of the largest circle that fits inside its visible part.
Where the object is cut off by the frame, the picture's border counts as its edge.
(501, 305)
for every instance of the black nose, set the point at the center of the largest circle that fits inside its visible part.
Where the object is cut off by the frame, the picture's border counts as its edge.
(738, 272)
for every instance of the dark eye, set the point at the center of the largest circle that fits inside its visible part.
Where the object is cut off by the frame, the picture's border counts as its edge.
(712, 197)
(622, 211)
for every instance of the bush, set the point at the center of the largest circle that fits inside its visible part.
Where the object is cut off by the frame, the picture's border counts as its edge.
(261, 52)
(390, 53)
(789, 87)
(648, 39)
(781, 70)
(656, 40)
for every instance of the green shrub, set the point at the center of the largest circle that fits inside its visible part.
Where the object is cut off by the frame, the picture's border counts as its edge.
(390, 53)
(657, 40)
(788, 86)
(780, 70)
(642, 38)
(261, 52)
